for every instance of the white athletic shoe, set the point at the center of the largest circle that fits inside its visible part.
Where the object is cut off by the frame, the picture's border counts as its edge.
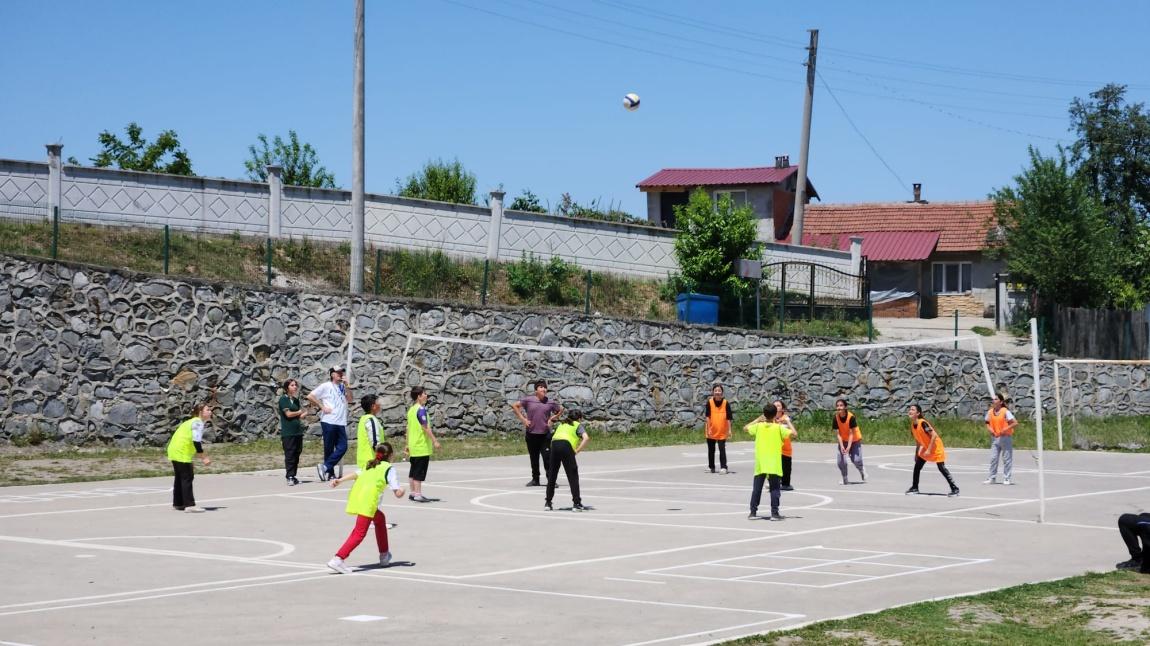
(1007, 482)
(723, 471)
(992, 480)
(194, 510)
(337, 564)
(385, 559)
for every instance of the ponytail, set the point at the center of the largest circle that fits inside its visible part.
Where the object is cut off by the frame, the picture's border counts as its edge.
(383, 452)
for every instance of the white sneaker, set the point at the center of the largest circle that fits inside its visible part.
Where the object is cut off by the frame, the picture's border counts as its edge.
(194, 510)
(992, 480)
(1007, 482)
(723, 471)
(385, 559)
(337, 564)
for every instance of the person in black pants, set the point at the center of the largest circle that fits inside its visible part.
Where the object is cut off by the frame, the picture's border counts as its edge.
(537, 413)
(291, 415)
(563, 450)
(1135, 527)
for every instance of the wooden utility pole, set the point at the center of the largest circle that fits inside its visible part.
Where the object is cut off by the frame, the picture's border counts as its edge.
(805, 145)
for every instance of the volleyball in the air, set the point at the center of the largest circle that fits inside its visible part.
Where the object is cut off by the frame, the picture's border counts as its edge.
(631, 101)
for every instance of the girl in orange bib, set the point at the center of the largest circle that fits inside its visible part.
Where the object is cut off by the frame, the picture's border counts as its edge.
(849, 436)
(782, 418)
(718, 416)
(928, 448)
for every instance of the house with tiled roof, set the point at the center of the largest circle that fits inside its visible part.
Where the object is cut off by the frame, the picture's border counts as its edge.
(769, 190)
(924, 259)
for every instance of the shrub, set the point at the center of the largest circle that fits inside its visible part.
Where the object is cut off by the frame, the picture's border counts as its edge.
(549, 282)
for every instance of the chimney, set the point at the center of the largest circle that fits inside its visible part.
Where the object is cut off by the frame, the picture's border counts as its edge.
(782, 161)
(917, 192)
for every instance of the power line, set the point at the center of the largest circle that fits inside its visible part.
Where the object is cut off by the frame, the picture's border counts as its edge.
(860, 133)
(620, 45)
(703, 25)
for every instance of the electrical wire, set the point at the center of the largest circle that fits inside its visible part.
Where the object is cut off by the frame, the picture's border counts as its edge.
(859, 132)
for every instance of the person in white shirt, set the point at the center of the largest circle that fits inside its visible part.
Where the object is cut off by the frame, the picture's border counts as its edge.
(1001, 423)
(332, 398)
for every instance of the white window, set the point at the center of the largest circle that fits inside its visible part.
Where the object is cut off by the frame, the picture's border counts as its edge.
(738, 198)
(951, 278)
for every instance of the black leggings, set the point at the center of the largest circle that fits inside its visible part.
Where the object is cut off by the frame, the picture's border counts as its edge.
(918, 462)
(563, 453)
(182, 495)
(786, 470)
(722, 444)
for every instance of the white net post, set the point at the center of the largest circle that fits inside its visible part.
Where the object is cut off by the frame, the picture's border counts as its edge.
(1038, 420)
(1058, 401)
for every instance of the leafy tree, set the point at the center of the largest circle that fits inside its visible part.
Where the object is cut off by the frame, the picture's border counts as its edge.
(138, 154)
(300, 162)
(528, 201)
(710, 239)
(441, 181)
(1057, 237)
(1113, 152)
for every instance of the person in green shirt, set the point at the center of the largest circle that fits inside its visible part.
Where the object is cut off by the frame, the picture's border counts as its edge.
(363, 502)
(291, 415)
(769, 436)
(369, 431)
(420, 439)
(563, 451)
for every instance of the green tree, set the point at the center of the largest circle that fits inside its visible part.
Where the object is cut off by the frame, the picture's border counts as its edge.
(300, 163)
(528, 201)
(1113, 152)
(1057, 238)
(441, 181)
(138, 154)
(711, 237)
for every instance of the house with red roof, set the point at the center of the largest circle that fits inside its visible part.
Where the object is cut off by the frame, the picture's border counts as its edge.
(924, 259)
(769, 190)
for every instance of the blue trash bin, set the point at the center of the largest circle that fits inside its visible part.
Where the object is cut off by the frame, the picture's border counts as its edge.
(698, 308)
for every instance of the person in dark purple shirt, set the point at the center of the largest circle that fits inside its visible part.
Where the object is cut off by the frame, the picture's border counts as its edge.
(537, 414)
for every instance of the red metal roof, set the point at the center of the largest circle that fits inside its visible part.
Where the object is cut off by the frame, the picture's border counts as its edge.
(962, 226)
(880, 245)
(687, 177)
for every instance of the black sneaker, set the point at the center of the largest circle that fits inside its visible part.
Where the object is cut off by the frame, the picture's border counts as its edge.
(578, 507)
(776, 516)
(911, 491)
(547, 507)
(532, 483)
(953, 493)
(752, 516)
(294, 481)
(1132, 564)
(788, 488)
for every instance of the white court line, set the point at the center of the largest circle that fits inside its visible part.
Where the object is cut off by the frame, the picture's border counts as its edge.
(615, 578)
(817, 530)
(560, 516)
(149, 551)
(285, 548)
(921, 571)
(13, 644)
(708, 632)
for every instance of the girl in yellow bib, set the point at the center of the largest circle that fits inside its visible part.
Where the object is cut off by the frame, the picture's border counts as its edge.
(563, 451)
(363, 502)
(186, 442)
(928, 448)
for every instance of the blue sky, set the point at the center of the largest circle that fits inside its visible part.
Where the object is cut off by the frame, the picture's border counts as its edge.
(527, 93)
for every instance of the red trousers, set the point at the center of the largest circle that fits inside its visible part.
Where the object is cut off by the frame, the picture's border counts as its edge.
(360, 532)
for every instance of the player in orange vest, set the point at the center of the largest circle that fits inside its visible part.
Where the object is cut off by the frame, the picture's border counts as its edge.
(849, 437)
(718, 416)
(781, 417)
(1000, 422)
(928, 448)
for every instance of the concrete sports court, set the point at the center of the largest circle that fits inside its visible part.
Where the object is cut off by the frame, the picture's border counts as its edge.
(667, 555)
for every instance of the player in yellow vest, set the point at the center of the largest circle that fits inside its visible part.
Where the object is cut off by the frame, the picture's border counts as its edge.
(1000, 422)
(186, 442)
(563, 451)
(769, 437)
(420, 439)
(849, 436)
(717, 427)
(928, 448)
(363, 502)
(369, 431)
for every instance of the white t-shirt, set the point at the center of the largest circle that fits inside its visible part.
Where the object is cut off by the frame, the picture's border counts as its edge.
(332, 395)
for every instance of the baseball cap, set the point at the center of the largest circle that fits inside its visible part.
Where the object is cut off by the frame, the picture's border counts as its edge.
(335, 369)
